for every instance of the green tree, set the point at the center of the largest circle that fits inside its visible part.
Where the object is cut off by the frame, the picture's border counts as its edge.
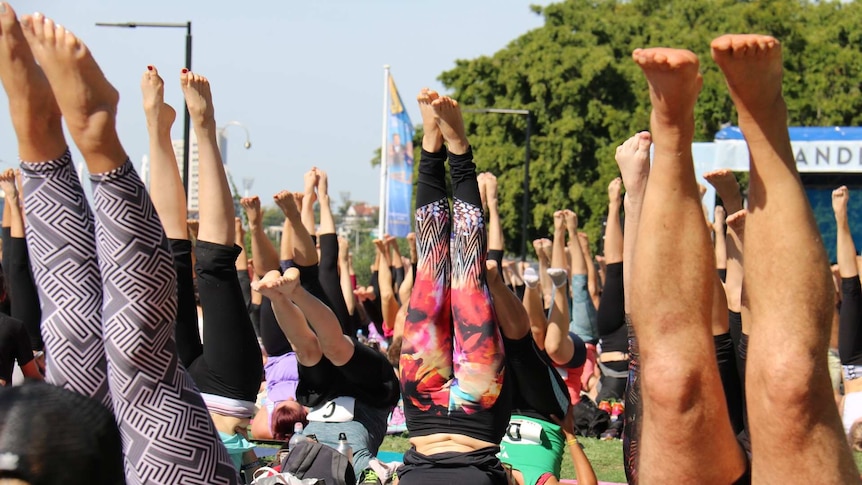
(576, 76)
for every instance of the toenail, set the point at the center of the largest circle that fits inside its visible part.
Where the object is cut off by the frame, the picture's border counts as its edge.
(185, 70)
(2, 8)
(150, 68)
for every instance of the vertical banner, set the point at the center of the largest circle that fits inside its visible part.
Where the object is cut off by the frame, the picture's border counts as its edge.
(399, 166)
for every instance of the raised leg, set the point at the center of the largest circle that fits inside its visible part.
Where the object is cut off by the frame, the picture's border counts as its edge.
(787, 281)
(671, 312)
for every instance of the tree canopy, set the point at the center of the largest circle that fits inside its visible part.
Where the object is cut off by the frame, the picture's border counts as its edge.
(586, 95)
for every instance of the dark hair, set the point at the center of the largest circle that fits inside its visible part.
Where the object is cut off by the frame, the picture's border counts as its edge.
(50, 435)
(283, 420)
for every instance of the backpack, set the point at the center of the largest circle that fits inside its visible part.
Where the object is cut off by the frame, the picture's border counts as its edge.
(590, 421)
(309, 459)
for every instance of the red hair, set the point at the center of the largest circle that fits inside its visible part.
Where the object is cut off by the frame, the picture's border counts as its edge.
(283, 420)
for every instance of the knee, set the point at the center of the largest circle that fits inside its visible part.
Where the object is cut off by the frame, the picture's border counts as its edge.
(671, 389)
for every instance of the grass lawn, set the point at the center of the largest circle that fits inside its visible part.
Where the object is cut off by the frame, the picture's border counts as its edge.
(606, 457)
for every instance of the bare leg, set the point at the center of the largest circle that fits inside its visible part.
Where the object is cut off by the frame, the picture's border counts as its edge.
(682, 392)
(262, 250)
(156, 404)
(633, 159)
(73, 345)
(495, 230)
(787, 282)
(733, 281)
(558, 345)
(169, 197)
(592, 276)
(513, 319)
(310, 180)
(719, 239)
(344, 274)
(613, 247)
(291, 320)
(216, 203)
(242, 259)
(535, 310)
(304, 251)
(388, 304)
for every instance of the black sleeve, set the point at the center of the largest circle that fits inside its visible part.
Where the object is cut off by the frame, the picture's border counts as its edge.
(23, 353)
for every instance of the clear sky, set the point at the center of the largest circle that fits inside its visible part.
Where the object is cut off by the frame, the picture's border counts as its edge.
(305, 77)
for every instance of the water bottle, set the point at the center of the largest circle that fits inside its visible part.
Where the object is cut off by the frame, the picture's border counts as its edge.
(360, 336)
(297, 437)
(344, 448)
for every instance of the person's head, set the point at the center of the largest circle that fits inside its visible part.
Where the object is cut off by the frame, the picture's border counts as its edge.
(285, 416)
(75, 436)
(854, 437)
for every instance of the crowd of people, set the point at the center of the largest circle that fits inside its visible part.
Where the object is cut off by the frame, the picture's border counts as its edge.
(167, 350)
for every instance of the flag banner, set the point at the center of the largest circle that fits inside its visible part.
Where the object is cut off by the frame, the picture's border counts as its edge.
(399, 160)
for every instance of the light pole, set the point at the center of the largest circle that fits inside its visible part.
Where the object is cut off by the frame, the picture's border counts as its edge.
(186, 122)
(222, 138)
(525, 202)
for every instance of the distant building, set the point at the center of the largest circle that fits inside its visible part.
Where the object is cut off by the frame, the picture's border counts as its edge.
(192, 197)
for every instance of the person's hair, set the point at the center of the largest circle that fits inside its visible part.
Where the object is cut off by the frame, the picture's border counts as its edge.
(854, 437)
(284, 418)
(51, 435)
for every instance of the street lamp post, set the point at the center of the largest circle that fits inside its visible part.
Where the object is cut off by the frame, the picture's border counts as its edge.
(525, 202)
(186, 121)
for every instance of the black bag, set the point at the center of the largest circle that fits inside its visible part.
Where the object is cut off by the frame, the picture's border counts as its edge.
(314, 460)
(590, 421)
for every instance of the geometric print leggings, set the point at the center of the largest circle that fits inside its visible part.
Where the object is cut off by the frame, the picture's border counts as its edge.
(109, 300)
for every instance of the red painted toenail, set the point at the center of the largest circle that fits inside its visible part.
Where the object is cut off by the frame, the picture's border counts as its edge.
(185, 70)
(150, 68)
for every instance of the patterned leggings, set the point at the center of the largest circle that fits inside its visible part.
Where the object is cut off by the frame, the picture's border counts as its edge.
(452, 357)
(108, 291)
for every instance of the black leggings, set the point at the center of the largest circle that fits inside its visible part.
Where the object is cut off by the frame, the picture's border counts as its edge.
(368, 376)
(733, 392)
(538, 390)
(273, 338)
(22, 289)
(850, 322)
(610, 316)
(229, 362)
(331, 282)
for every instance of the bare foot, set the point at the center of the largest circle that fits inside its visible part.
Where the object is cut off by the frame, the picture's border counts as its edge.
(491, 189)
(559, 223)
(480, 180)
(584, 240)
(286, 201)
(297, 198)
(674, 83)
(380, 244)
(322, 183)
(615, 188)
(160, 115)
(310, 180)
(343, 249)
(752, 67)
(451, 124)
(546, 247)
(840, 197)
(35, 114)
(633, 160)
(275, 286)
(252, 211)
(571, 222)
(199, 99)
(86, 99)
(432, 139)
(727, 187)
(736, 221)
(8, 185)
(537, 246)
